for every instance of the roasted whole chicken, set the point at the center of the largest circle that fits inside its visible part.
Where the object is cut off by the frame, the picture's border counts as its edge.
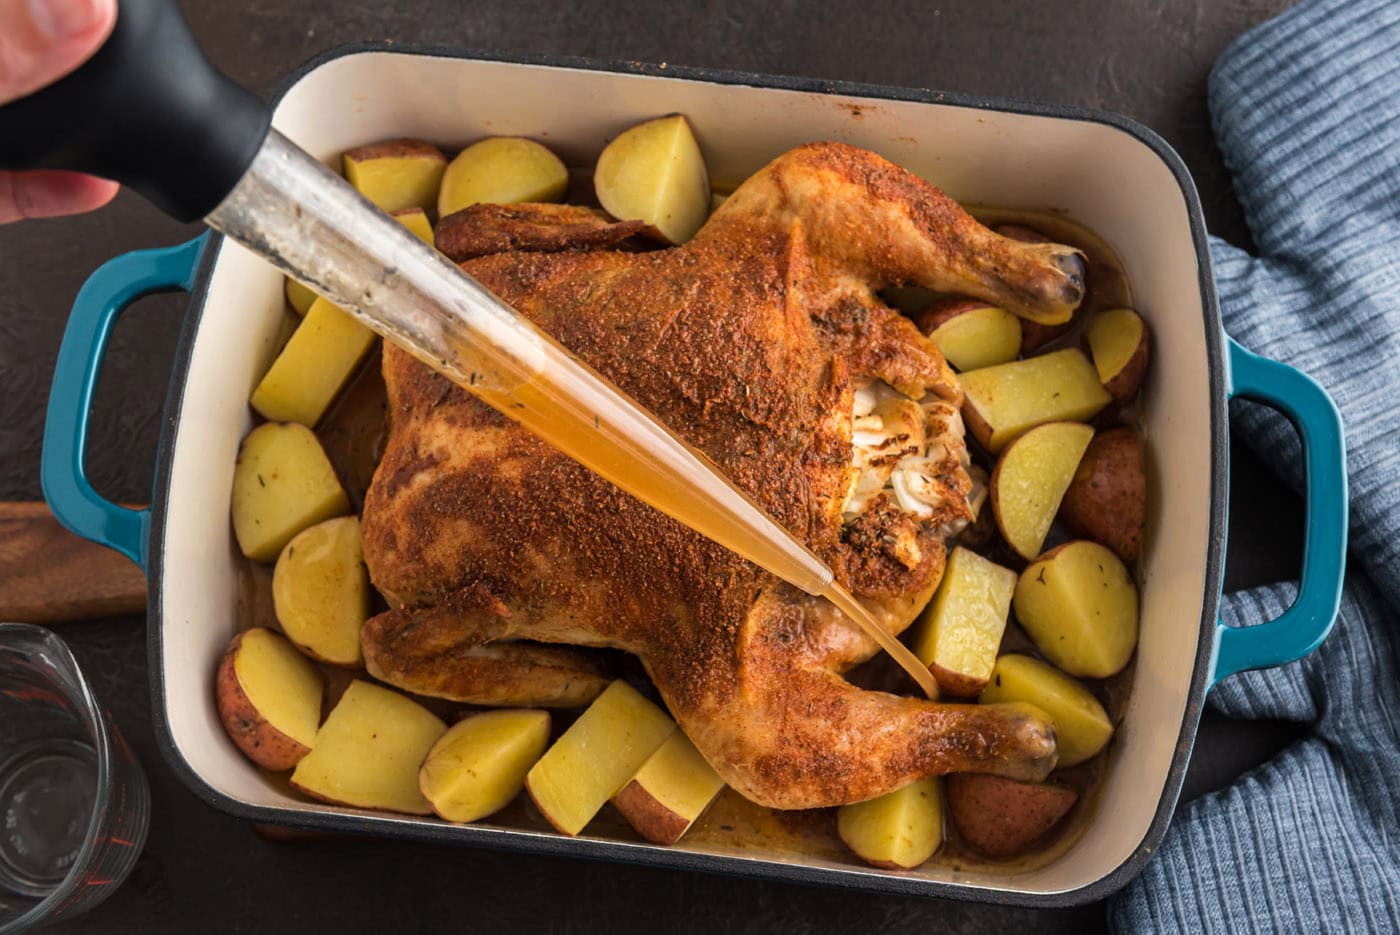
(762, 342)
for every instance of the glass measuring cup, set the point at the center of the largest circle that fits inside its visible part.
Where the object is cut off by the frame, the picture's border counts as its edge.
(74, 805)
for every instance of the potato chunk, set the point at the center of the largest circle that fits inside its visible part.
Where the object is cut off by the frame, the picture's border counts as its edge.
(1082, 727)
(282, 483)
(1030, 480)
(1006, 400)
(599, 752)
(1107, 500)
(314, 364)
(269, 698)
(479, 765)
(416, 220)
(320, 591)
(396, 174)
(972, 334)
(1118, 343)
(503, 170)
(654, 172)
(299, 297)
(1003, 818)
(673, 787)
(899, 830)
(960, 631)
(368, 752)
(1079, 605)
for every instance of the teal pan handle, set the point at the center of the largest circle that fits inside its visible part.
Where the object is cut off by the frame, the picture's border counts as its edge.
(1304, 626)
(107, 293)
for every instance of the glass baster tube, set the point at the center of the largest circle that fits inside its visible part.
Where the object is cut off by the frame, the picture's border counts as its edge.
(307, 221)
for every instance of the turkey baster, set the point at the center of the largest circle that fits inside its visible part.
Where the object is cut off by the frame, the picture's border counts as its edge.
(150, 112)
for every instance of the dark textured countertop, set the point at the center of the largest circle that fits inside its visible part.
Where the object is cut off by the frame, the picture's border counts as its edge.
(204, 871)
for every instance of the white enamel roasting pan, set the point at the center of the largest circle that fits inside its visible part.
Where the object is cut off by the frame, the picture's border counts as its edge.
(1103, 171)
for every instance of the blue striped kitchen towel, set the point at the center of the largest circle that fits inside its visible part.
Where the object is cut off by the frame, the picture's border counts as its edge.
(1306, 109)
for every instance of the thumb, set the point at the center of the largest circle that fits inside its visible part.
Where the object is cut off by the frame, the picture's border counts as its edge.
(43, 40)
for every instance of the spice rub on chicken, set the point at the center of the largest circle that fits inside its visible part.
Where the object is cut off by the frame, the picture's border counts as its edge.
(763, 343)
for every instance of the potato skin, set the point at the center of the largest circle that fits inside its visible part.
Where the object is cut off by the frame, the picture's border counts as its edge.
(1003, 818)
(944, 310)
(396, 149)
(652, 820)
(1034, 335)
(980, 429)
(958, 684)
(1124, 384)
(1107, 499)
(260, 742)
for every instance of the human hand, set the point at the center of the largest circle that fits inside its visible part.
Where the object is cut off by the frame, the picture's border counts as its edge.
(40, 42)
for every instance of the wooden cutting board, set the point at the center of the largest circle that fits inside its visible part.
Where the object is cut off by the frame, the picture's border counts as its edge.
(49, 575)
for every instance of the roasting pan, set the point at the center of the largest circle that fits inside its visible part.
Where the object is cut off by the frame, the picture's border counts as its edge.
(1101, 170)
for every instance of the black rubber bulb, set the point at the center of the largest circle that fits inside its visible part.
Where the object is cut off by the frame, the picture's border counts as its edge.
(147, 110)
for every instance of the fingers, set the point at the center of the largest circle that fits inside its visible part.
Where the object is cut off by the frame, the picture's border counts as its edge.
(50, 193)
(43, 40)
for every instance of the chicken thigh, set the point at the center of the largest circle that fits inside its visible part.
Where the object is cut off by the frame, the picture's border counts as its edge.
(763, 343)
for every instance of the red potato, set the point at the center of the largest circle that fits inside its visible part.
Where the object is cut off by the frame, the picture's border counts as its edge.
(1003, 401)
(897, 831)
(369, 750)
(502, 170)
(673, 787)
(396, 174)
(479, 765)
(1118, 343)
(959, 632)
(1107, 499)
(1030, 479)
(1080, 606)
(1003, 818)
(971, 334)
(1034, 335)
(655, 172)
(269, 699)
(416, 220)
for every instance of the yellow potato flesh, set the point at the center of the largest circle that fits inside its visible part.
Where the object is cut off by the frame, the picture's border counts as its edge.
(1030, 480)
(1114, 336)
(1080, 607)
(281, 684)
(655, 173)
(369, 750)
(979, 337)
(899, 829)
(299, 297)
(960, 631)
(1008, 399)
(479, 765)
(1082, 727)
(320, 590)
(315, 363)
(394, 182)
(282, 483)
(670, 791)
(502, 170)
(599, 752)
(416, 220)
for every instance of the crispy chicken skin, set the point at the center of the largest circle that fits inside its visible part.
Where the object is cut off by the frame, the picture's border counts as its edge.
(750, 341)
